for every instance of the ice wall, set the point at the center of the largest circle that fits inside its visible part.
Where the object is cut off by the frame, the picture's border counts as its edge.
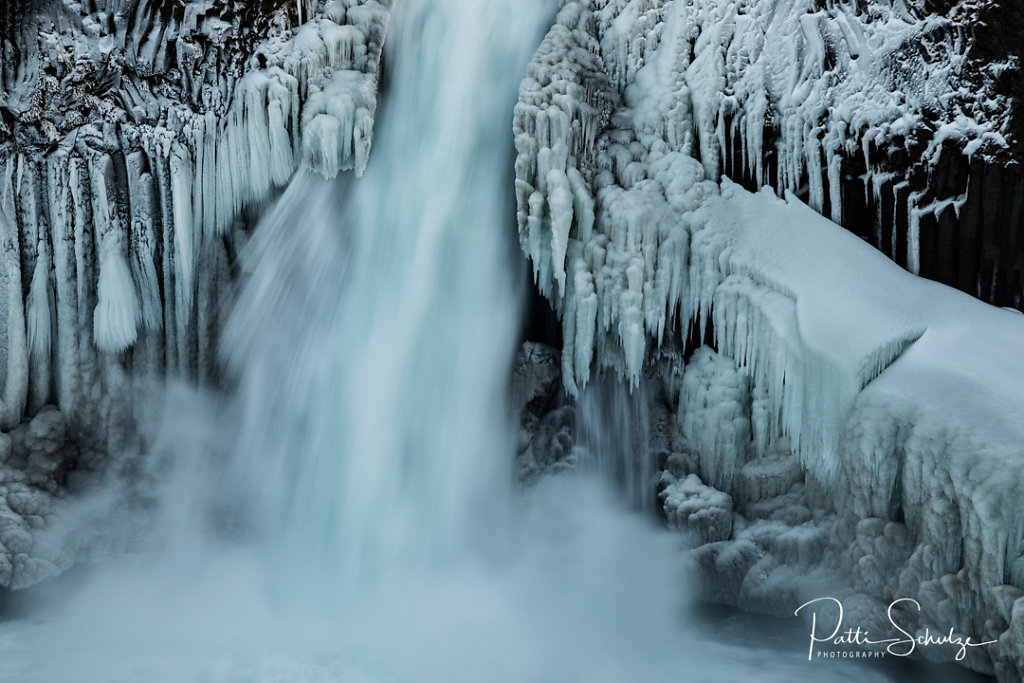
(853, 424)
(134, 136)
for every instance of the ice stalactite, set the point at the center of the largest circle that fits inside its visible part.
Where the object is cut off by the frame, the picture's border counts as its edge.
(116, 316)
(845, 398)
(714, 417)
(15, 384)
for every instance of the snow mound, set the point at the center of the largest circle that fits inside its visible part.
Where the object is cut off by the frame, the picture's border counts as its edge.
(697, 510)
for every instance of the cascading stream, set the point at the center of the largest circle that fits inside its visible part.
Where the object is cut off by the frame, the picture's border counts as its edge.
(613, 430)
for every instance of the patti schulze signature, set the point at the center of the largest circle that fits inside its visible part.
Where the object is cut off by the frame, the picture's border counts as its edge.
(898, 647)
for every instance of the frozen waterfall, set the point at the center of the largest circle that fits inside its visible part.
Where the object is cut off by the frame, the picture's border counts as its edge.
(347, 513)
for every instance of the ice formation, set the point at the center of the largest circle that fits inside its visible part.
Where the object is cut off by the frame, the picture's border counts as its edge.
(134, 137)
(34, 459)
(702, 512)
(803, 95)
(864, 423)
(131, 210)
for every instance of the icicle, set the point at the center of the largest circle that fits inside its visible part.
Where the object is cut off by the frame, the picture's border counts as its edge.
(896, 189)
(15, 385)
(815, 177)
(210, 187)
(143, 241)
(914, 233)
(84, 257)
(39, 314)
(560, 206)
(586, 322)
(321, 140)
(835, 182)
(258, 134)
(65, 279)
(282, 161)
(362, 139)
(199, 196)
(713, 418)
(184, 227)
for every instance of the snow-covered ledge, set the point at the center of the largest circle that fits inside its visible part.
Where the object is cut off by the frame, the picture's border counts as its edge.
(866, 425)
(133, 136)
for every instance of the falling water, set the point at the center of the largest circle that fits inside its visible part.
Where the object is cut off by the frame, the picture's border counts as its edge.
(613, 429)
(348, 514)
(374, 337)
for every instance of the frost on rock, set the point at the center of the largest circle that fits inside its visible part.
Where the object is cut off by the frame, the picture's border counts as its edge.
(134, 136)
(865, 423)
(34, 459)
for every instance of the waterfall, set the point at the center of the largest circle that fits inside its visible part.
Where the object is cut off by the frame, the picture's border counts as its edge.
(347, 514)
(613, 425)
(373, 338)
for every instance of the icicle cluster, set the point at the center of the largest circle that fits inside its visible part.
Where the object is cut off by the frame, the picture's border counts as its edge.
(142, 131)
(628, 111)
(116, 239)
(732, 83)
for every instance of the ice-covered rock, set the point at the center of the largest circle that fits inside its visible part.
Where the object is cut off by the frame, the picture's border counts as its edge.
(535, 378)
(546, 426)
(34, 460)
(699, 511)
(140, 134)
(865, 423)
(714, 416)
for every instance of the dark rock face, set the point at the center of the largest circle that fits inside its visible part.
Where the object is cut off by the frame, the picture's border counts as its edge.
(980, 247)
(997, 33)
(545, 438)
